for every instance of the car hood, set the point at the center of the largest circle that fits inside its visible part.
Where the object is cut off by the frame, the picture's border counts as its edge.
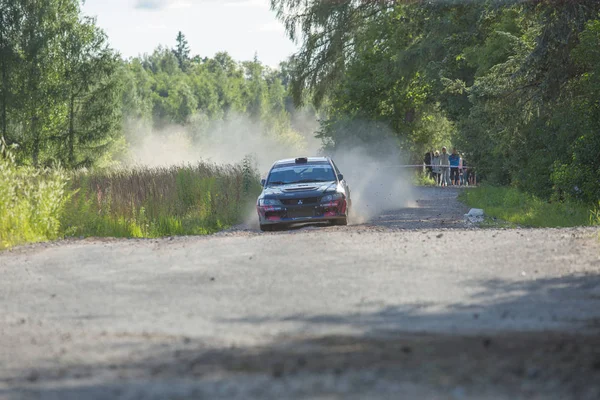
(313, 188)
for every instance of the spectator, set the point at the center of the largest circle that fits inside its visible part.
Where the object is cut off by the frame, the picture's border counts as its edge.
(436, 170)
(444, 167)
(427, 161)
(454, 159)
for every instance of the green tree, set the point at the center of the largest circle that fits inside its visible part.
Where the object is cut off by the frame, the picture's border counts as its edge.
(92, 91)
(513, 82)
(55, 64)
(182, 51)
(9, 17)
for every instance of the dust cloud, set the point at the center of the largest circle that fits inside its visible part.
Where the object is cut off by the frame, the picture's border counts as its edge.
(226, 141)
(370, 165)
(377, 181)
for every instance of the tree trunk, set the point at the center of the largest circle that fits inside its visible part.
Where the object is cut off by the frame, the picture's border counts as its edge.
(71, 137)
(3, 60)
(33, 88)
(36, 139)
(4, 100)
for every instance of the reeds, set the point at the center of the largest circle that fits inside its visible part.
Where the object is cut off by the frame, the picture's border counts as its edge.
(38, 205)
(152, 202)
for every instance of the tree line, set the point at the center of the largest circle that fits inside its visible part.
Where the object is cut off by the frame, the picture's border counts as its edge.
(57, 75)
(513, 83)
(66, 95)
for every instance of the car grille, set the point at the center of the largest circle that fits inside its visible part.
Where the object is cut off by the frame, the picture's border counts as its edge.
(294, 202)
(301, 213)
(300, 189)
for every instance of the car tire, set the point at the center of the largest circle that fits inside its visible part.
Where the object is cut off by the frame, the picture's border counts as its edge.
(341, 222)
(266, 228)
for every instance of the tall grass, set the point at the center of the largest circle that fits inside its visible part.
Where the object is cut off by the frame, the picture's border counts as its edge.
(153, 202)
(31, 201)
(519, 208)
(45, 204)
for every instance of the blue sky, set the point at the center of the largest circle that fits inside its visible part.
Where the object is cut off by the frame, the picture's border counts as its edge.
(240, 27)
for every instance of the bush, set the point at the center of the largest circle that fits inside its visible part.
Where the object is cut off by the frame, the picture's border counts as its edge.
(31, 202)
(153, 202)
(45, 204)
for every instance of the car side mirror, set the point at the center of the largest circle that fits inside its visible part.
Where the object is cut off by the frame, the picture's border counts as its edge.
(341, 177)
(262, 182)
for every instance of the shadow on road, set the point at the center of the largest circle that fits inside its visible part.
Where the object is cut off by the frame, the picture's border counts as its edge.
(571, 302)
(397, 344)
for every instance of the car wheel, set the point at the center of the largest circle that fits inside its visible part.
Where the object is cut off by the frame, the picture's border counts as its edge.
(266, 228)
(341, 222)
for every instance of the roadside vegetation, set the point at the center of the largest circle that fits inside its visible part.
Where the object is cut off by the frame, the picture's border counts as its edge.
(31, 202)
(51, 203)
(513, 207)
(153, 202)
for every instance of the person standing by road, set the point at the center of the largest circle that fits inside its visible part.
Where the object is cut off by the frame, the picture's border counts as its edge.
(427, 161)
(465, 172)
(435, 162)
(445, 167)
(454, 159)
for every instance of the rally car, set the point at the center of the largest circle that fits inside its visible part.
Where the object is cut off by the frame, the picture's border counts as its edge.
(306, 189)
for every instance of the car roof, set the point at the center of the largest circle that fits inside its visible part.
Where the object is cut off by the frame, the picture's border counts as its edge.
(309, 160)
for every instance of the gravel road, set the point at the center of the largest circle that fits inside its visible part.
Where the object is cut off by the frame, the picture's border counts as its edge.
(414, 304)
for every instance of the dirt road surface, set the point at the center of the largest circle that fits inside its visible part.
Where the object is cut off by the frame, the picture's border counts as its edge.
(414, 304)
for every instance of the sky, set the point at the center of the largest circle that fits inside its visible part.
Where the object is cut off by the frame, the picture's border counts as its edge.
(240, 27)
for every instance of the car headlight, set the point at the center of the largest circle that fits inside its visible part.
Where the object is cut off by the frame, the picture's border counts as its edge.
(332, 197)
(269, 202)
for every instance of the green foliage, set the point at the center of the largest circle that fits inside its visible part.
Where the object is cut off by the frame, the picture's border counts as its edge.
(595, 216)
(192, 200)
(31, 202)
(45, 204)
(182, 51)
(66, 96)
(523, 209)
(205, 94)
(514, 84)
(59, 97)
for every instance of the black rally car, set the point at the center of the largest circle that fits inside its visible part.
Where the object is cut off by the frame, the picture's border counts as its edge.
(303, 190)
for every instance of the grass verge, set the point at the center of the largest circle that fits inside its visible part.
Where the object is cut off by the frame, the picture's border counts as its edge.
(39, 205)
(521, 209)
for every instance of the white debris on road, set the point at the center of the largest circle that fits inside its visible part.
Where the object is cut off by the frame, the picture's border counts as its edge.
(475, 215)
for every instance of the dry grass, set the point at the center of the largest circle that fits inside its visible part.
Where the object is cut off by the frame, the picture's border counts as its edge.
(41, 205)
(152, 202)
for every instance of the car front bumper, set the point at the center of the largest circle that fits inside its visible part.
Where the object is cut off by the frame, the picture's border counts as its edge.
(271, 215)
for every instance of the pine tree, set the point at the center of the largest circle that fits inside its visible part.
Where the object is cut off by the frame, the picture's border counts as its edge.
(182, 51)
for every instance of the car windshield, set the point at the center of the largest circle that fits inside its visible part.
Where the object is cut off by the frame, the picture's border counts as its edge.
(300, 173)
